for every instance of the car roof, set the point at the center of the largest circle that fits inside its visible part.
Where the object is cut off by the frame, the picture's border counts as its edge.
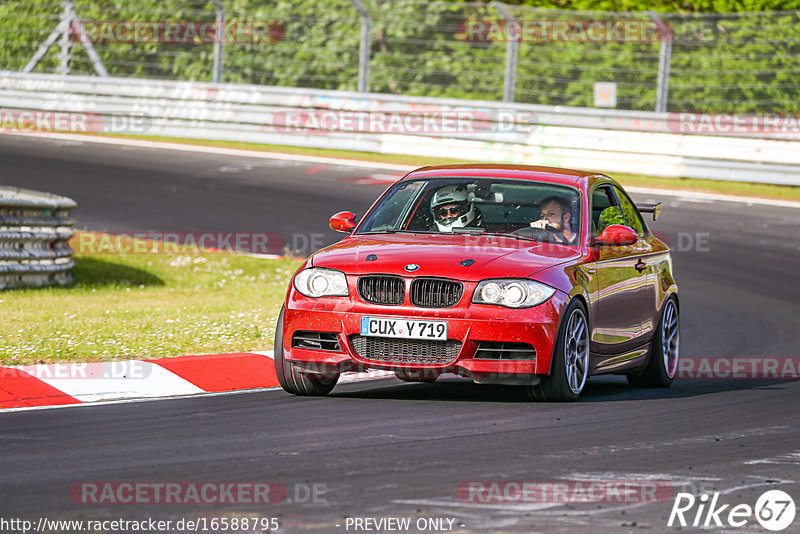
(553, 175)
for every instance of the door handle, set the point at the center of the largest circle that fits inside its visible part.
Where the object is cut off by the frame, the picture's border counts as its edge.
(640, 265)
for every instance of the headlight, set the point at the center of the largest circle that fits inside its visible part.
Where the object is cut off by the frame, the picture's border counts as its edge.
(317, 282)
(512, 293)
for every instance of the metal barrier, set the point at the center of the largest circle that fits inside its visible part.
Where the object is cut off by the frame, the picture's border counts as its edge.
(636, 142)
(34, 232)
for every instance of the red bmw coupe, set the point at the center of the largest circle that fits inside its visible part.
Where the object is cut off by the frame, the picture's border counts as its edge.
(529, 276)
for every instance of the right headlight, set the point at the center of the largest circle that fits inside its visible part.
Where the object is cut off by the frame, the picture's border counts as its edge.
(512, 292)
(318, 282)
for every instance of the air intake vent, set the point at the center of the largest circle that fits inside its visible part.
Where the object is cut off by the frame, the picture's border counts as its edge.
(435, 293)
(316, 341)
(503, 350)
(389, 290)
(413, 351)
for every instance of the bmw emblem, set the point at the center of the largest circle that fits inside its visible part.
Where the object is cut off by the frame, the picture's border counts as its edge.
(411, 267)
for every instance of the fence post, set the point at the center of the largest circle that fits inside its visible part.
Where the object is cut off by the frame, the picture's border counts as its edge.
(219, 45)
(69, 21)
(65, 43)
(664, 56)
(363, 49)
(512, 49)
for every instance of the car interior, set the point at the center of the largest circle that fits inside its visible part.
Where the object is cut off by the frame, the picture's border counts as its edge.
(515, 211)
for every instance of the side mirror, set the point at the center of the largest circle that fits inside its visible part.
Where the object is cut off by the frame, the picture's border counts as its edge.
(617, 234)
(344, 221)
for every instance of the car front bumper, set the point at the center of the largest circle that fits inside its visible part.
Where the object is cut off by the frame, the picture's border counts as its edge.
(467, 325)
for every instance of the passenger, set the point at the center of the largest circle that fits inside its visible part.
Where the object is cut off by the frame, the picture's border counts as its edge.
(451, 209)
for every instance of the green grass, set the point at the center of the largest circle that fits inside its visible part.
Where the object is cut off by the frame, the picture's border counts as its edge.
(124, 306)
(778, 192)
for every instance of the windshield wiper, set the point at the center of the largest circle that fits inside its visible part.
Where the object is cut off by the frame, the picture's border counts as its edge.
(461, 231)
(398, 231)
(492, 234)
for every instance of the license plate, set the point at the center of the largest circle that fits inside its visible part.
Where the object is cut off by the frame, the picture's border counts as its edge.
(403, 328)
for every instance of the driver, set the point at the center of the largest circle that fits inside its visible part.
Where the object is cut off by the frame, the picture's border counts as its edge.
(555, 214)
(451, 209)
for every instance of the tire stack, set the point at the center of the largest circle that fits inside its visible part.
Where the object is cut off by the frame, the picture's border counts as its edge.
(35, 229)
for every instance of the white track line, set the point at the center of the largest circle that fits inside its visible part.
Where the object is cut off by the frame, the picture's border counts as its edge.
(129, 401)
(367, 164)
(219, 150)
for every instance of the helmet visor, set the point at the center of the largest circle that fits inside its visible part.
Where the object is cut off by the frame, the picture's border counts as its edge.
(451, 211)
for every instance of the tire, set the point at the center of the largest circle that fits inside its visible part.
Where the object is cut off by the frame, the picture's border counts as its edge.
(570, 366)
(664, 351)
(415, 376)
(294, 381)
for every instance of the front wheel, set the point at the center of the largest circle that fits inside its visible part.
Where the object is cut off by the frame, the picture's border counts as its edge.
(664, 351)
(294, 381)
(570, 366)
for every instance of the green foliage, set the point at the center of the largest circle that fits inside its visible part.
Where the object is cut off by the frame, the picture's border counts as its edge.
(609, 216)
(721, 62)
(675, 6)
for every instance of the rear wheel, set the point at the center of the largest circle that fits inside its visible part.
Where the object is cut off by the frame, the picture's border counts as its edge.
(664, 351)
(294, 381)
(570, 366)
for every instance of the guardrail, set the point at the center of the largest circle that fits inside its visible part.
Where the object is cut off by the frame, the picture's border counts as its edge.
(635, 142)
(34, 233)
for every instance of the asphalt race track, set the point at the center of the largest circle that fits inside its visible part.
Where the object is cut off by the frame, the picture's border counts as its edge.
(388, 449)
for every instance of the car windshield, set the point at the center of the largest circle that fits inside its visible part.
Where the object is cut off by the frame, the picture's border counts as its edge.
(518, 208)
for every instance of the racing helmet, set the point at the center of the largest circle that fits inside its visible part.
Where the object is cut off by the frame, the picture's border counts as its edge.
(452, 194)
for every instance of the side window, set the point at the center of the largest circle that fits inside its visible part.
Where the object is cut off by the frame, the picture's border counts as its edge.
(395, 205)
(605, 210)
(632, 214)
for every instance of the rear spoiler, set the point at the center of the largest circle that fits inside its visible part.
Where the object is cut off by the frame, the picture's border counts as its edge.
(654, 208)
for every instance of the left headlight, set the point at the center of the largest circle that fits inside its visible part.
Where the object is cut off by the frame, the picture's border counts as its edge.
(318, 282)
(512, 292)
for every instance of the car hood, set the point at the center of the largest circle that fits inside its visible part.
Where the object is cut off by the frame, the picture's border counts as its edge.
(443, 255)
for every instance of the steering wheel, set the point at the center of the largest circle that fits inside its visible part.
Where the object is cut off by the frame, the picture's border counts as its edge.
(545, 235)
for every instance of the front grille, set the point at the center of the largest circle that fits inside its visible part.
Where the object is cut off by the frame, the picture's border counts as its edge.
(382, 289)
(504, 350)
(416, 351)
(316, 340)
(435, 293)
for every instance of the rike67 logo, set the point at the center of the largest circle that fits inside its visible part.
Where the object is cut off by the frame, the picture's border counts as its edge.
(774, 510)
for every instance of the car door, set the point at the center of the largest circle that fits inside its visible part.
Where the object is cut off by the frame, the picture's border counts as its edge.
(621, 281)
(647, 256)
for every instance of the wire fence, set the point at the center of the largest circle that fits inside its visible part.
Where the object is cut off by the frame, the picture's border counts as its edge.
(716, 63)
